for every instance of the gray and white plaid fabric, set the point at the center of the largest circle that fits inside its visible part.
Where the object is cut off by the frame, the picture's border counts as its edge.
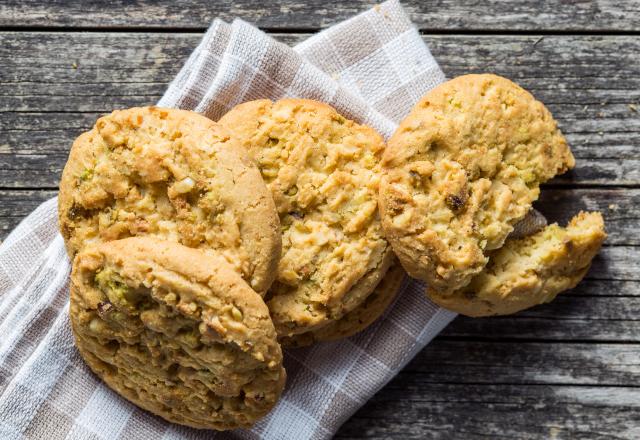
(372, 68)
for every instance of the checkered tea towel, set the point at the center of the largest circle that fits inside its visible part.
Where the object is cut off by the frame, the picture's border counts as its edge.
(372, 68)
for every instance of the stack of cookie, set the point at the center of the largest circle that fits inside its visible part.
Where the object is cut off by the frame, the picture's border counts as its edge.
(199, 248)
(175, 239)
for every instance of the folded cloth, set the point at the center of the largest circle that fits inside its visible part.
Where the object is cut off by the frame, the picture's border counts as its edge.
(372, 68)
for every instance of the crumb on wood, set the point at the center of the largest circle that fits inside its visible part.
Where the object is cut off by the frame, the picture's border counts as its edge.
(633, 108)
(554, 431)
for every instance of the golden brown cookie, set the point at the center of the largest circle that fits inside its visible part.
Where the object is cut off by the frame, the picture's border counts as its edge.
(461, 170)
(359, 318)
(323, 171)
(176, 331)
(172, 174)
(529, 271)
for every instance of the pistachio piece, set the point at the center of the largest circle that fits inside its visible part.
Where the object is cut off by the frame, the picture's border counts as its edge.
(184, 186)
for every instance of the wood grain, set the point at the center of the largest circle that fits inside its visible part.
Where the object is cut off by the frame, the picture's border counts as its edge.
(54, 87)
(525, 390)
(409, 408)
(15, 205)
(570, 317)
(527, 363)
(310, 15)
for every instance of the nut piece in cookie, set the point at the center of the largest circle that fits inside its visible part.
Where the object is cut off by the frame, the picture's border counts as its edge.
(175, 331)
(529, 271)
(323, 171)
(175, 175)
(461, 170)
(359, 318)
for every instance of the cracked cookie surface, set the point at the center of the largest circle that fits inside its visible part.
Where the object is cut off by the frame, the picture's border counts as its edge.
(529, 271)
(461, 170)
(176, 331)
(173, 174)
(359, 318)
(323, 171)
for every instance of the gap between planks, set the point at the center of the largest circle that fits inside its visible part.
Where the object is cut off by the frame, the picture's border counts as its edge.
(310, 31)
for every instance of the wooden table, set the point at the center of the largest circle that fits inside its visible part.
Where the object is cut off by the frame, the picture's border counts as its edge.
(570, 369)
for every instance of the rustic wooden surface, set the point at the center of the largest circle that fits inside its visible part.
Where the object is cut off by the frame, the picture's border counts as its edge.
(569, 369)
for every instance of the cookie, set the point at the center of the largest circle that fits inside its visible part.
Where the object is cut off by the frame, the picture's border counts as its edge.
(529, 271)
(359, 318)
(323, 171)
(461, 170)
(176, 331)
(175, 175)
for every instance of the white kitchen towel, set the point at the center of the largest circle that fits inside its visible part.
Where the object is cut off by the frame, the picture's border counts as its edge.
(372, 68)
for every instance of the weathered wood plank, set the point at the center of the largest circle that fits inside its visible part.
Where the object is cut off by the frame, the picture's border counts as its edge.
(568, 317)
(478, 390)
(494, 362)
(47, 102)
(605, 288)
(617, 263)
(600, 15)
(15, 205)
(408, 408)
